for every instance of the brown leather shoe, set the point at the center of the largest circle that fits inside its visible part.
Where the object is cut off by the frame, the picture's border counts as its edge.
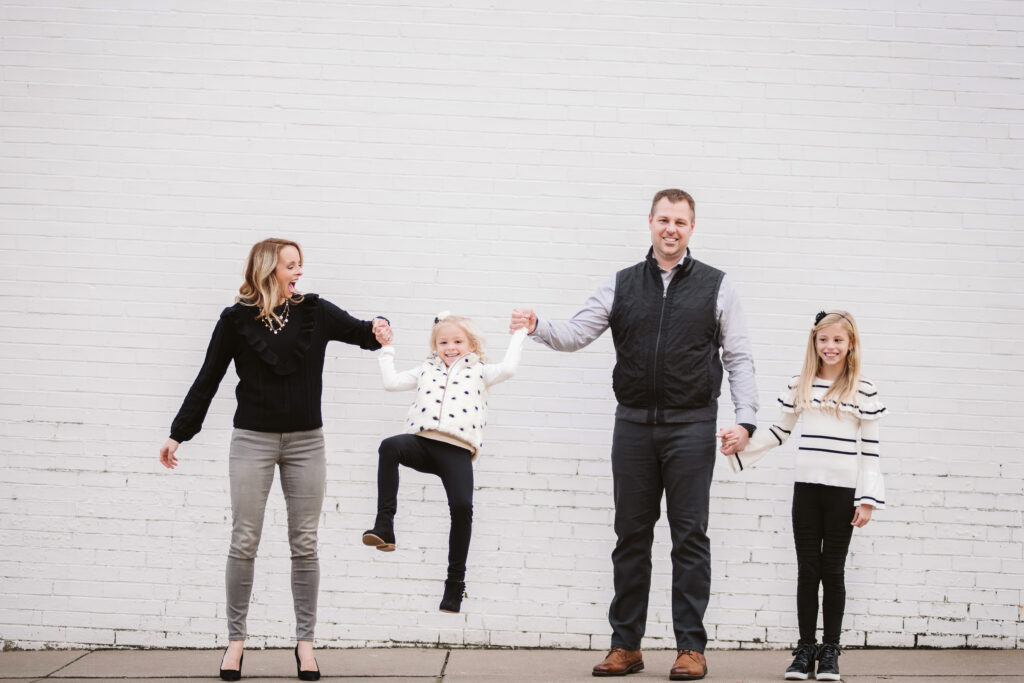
(689, 666)
(620, 662)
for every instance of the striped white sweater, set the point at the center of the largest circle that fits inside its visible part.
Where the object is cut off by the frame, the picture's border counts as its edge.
(828, 451)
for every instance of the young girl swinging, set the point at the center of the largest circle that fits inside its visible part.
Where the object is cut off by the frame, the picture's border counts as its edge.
(444, 432)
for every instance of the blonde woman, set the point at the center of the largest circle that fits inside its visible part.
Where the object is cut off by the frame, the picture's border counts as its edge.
(838, 485)
(277, 339)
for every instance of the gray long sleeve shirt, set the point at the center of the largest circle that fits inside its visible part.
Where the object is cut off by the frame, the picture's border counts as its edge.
(592, 320)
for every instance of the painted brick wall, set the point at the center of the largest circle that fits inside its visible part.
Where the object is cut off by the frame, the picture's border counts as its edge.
(866, 155)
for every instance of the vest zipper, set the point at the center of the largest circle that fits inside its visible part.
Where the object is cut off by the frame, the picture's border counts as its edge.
(447, 379)
(657, 344)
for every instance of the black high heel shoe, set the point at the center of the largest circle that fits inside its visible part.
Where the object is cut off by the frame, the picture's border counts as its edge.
(306, 675)
(232, 674)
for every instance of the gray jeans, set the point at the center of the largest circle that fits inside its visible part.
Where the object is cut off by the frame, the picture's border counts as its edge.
(253, 457)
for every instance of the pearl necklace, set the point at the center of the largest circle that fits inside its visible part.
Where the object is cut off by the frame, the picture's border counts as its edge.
(269, 322)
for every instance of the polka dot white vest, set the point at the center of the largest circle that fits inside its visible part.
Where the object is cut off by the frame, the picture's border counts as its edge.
(451, 400)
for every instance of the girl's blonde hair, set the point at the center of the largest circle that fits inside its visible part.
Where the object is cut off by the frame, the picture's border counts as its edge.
(260, 287)
(844, 389)
(476, 339)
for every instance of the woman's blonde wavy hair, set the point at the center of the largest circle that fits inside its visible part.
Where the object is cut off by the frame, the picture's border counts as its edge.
(476, 339)
(844, 389)
(260, 287)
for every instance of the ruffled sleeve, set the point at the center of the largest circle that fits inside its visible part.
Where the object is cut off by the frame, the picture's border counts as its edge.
(869, 405)
(870, 484)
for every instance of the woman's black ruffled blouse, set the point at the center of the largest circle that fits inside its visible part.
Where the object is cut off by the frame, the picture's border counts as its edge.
(280, 376)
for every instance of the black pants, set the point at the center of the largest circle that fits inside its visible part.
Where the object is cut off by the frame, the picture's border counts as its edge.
(453, 465)
(678, 459)
(822, 532)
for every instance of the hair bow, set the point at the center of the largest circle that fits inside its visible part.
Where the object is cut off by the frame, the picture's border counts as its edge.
(441, 316)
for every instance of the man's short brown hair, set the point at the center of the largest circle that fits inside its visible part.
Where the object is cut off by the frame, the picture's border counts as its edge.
(675, 196)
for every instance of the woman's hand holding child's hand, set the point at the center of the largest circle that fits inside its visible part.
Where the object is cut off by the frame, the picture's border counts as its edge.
(382, 330)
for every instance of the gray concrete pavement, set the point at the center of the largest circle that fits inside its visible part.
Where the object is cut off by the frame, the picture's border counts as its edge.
(411, 665)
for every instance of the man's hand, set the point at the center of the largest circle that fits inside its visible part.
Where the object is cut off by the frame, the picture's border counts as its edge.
(734, 439)
(523, 317)
(382, 330)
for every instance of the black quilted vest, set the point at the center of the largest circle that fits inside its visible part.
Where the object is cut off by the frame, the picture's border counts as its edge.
(667, 363)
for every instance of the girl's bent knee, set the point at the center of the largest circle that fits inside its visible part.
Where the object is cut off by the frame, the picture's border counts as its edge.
(394, 443)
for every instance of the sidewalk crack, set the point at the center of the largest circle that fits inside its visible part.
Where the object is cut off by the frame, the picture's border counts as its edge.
(444, 666)
(57, 671)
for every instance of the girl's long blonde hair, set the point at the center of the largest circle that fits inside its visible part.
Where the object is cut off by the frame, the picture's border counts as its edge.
(844, 389)
(260, 287)
(475, 338)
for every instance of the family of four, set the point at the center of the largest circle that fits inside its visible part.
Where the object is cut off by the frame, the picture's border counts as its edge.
(678, 330)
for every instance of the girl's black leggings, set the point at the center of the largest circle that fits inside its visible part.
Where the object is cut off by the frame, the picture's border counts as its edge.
(454, 465)
(822, 531)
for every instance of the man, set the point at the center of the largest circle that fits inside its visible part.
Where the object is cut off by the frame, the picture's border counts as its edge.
(669, 315)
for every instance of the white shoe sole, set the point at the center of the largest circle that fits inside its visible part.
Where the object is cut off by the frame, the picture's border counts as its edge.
(828, 677)
(796, 676)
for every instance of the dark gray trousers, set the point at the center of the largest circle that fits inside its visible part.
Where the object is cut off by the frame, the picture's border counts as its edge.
(678, 459)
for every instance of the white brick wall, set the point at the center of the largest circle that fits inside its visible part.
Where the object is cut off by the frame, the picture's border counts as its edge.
(432, 156)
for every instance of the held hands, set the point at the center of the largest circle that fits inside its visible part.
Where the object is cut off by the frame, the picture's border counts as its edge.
(167, 457)
(523, 318)
(862, 515)
(734, 439)
(382, 330)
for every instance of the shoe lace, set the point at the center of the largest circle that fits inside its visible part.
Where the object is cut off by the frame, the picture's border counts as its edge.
(829, 654)
(804, 655)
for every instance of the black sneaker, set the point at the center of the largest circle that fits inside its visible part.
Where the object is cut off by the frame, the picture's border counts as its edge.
(803, 663)
(828, 662)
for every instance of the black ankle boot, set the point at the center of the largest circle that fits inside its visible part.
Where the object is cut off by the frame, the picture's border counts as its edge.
(454, 591)
(381, 536)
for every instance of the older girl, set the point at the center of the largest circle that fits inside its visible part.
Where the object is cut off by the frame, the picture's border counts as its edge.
(838, 485)
(277, 339)
(444, 432)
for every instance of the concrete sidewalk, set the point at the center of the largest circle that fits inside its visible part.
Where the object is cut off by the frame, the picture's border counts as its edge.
(401, 665)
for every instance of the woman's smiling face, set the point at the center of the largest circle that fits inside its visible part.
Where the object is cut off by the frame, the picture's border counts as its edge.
(289, 270)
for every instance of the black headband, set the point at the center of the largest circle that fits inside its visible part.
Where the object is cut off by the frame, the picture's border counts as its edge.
(822, 314)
